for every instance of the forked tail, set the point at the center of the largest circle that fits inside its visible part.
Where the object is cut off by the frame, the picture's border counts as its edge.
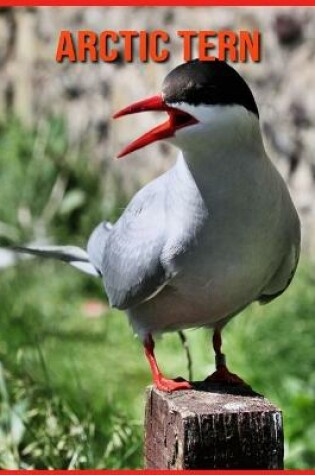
(73, 255)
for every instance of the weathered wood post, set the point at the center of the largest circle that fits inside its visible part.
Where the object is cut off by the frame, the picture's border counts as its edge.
(212, 428)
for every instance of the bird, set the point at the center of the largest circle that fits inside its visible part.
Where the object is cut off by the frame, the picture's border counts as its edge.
(214, 233)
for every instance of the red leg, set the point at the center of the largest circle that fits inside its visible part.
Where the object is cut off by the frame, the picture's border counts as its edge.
(222, 374)
(162, 383)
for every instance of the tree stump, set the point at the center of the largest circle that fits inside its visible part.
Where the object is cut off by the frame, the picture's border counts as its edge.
(212, 428)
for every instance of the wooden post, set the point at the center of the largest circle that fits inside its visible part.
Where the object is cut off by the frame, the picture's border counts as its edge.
(212, 428)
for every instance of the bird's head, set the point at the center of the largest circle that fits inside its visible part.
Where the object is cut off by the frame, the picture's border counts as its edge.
(198, 97)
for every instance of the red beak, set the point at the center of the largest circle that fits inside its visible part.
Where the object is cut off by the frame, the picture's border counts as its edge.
(177, 119)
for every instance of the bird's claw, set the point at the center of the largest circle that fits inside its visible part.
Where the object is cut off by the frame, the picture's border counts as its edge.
(170, 385)
(223, 375)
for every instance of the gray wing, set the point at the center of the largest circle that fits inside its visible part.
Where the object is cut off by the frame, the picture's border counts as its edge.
(131, 263)
(281, 281)
(285, 273)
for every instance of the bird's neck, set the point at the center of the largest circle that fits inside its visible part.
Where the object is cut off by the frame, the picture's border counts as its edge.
(225, 154)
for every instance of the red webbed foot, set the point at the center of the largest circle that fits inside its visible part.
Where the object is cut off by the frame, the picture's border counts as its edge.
(223, 375)
(170, 385)
(162, 383)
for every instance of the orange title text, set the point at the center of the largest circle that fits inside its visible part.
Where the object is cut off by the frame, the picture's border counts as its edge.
(142, 46)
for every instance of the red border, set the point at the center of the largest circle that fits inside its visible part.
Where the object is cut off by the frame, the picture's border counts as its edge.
(159, 3)
(158, 472)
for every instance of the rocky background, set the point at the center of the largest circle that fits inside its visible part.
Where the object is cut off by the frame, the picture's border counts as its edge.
(34, 86)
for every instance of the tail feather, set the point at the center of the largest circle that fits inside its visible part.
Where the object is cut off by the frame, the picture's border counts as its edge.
(73, 255)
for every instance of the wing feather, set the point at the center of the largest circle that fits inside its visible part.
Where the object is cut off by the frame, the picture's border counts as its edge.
(131, 265)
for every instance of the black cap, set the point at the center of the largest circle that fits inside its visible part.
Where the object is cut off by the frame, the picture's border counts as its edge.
(208, 82)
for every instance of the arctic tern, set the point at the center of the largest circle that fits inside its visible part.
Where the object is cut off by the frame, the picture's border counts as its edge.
(213, 234)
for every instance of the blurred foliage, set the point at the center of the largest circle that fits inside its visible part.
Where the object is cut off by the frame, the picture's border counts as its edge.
(49, 189)
(72, 385)
(39, 429)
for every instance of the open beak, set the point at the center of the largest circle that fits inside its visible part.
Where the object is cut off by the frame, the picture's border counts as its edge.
(177, 119)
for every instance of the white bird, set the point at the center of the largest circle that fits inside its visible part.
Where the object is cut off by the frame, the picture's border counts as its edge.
(213, 234)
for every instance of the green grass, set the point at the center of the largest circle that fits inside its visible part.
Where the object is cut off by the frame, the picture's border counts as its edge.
(92, 370)
(66, 366)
